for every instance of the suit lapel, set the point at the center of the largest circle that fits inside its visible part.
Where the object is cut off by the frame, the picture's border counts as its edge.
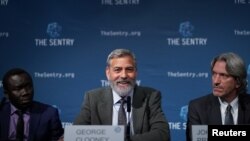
(241, 114)
(138, 114)
(105, 107)
(34, 122)
(138, 109)
(5, 121)
(214, 115)
(243, 109)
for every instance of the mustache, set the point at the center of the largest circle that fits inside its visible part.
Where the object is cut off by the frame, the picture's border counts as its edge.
(216, 84)
(124, 81)
(219, 87)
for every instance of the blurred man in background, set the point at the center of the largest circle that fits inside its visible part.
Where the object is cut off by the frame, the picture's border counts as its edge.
(21, 118)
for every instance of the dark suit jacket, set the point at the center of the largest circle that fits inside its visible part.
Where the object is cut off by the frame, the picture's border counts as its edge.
(149, 121)
(206, 110)
(45, 124)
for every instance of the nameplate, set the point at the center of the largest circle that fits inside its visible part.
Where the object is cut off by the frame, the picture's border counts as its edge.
(93, 133)
(220, 132)
(199, 132)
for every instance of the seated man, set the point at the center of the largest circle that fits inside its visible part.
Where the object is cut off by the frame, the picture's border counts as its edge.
(228, 102)
(37, 121)
(111, 105)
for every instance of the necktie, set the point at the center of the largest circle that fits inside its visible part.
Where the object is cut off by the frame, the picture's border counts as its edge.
(229, 117)
(122, 120)
(20, 126)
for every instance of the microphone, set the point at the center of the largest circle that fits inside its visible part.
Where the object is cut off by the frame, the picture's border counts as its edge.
(129, 111)
(128, 104)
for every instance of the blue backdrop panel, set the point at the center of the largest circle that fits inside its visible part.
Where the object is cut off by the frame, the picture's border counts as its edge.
(64, 45)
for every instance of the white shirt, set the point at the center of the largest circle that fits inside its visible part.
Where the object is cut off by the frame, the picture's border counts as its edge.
(116, 106)
(234, 110)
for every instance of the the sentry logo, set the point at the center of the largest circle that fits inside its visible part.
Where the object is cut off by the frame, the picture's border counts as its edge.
(186, 29)
(54, 30)
(183, 112)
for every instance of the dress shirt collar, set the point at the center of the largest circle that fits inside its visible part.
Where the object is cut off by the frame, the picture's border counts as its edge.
(13, 109)
(116, 97)
(234, 104)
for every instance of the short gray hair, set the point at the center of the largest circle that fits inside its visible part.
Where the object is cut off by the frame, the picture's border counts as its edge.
(117, 53)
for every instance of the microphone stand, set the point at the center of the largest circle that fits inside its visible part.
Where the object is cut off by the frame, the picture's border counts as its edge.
(128, 125)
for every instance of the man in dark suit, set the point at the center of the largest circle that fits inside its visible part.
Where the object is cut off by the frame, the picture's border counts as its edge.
(146, 121)
(229, 82)
(41, 121)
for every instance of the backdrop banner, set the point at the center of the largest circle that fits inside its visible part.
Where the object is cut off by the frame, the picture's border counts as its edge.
(64, 45)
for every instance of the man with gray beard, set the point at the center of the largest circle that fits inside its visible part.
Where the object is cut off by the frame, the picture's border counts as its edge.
(144, 118)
